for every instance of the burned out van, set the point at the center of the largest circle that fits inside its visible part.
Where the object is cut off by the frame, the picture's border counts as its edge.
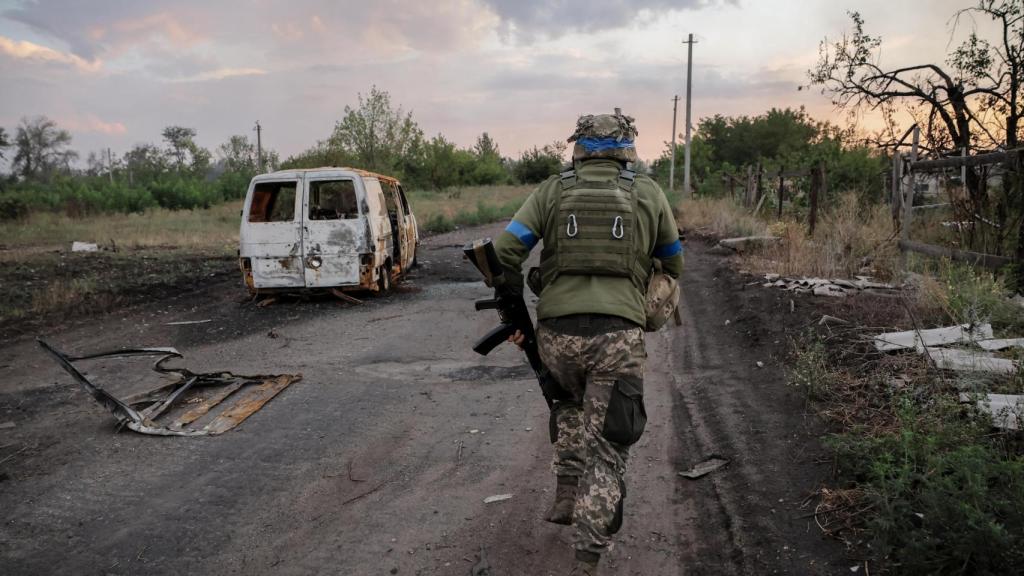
(325, 228)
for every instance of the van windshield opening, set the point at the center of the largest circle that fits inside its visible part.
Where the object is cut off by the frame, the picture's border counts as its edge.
(273, 202)
(332, 200)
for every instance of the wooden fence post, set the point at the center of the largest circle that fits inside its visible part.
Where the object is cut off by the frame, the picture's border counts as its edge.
(908, 197)
(817, 187)
(1016, 168)
(895, 199)
(760, 184)
(749, 190)
(782, 191)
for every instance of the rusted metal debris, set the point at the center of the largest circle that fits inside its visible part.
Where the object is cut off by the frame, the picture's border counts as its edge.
(191, 405)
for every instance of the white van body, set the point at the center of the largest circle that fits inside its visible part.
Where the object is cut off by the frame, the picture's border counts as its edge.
(325, 228)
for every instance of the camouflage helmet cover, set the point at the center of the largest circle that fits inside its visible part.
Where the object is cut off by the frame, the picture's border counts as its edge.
(604, 136)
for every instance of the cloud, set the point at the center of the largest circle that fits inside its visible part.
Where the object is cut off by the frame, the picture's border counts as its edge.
(92, 124)
(221, 74)
(527, 20)
(24, 50)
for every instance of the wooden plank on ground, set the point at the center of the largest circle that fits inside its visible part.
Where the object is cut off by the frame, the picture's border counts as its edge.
(974, 258)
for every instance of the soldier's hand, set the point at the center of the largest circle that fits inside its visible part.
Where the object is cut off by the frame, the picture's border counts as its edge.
(518, 338)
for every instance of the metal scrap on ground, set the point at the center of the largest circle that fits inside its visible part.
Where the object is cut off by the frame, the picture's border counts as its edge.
(828, 287)
(163, 411)
(706, 467)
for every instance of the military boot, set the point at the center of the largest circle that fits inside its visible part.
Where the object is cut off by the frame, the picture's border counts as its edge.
(586, 563)
(565, 501)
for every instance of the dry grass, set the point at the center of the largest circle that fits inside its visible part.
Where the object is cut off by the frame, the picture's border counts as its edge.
(849, 240)
(719, 217)
(446, 210)
(211, 230)
(63, 294)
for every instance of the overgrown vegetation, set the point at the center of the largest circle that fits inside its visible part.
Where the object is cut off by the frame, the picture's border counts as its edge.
(458, 207)
(924, 485)
(852, 238)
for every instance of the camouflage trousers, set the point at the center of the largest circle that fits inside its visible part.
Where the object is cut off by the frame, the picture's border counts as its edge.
(593, 368)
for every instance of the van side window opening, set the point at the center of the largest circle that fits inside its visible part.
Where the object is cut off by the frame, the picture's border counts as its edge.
(273, 202)
(389, 197)
(405, 203)
(333, 200)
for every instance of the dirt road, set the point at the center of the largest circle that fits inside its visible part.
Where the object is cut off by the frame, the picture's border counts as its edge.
(378, 462)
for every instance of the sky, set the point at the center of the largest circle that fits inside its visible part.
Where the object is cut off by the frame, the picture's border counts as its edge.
(116, 72)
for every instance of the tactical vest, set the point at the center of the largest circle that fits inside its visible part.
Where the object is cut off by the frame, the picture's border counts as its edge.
(595, 231)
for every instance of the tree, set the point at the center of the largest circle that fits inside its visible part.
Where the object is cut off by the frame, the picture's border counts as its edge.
(41, 148)
(145, 163)
(376, 135)
(238, 154)
(488, 167)
(972, 102)
(536, 164)
(5, 142)
(181, 141)
(486, 148)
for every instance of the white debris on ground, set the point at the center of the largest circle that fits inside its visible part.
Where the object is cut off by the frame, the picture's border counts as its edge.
(839, 287)
(960, 360)
(748, 242)
(970, 350)
(1006, 409)
(1001, 344)
(84, 247)
(916, 339)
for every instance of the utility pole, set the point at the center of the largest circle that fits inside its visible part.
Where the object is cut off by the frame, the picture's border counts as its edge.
(259, 147)
(672, 165)
(689, 76)
(110, 165)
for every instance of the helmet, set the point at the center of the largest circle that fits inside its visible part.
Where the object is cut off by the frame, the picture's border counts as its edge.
(604, 136)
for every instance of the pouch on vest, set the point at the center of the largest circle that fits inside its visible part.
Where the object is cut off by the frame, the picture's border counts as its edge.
(626, 418)
(662, 299)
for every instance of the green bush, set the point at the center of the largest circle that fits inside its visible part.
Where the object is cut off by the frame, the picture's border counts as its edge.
(184, 194)
(974, 296)
(12, 207)
(946, 496)
(439, 223)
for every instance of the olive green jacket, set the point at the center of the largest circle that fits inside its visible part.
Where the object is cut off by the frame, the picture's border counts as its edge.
(580, 294)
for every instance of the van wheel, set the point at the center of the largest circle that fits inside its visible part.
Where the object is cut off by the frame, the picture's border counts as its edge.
(384, 279)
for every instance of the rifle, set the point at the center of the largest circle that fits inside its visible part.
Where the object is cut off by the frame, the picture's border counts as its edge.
(514, 316)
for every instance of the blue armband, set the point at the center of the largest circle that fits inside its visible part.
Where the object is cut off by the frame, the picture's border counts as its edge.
(668, 250)
(524, 234)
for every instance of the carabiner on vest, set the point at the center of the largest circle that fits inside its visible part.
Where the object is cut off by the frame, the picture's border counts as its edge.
(618, 230)
(571, 229)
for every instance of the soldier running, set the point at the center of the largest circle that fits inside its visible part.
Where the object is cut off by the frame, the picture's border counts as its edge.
(604, 229)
